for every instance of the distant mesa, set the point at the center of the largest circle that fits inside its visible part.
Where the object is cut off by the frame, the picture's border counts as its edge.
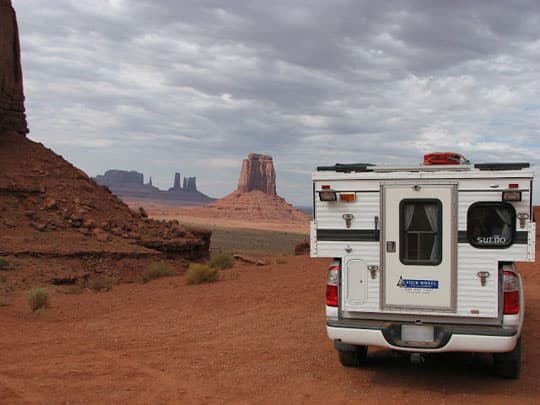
(130, 185)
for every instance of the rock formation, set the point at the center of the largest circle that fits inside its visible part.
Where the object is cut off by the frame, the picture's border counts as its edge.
(257, 174)
(12, 112)
(255, 199)
(120, 177)
(190, 183)
(129, 185)
(176, 185)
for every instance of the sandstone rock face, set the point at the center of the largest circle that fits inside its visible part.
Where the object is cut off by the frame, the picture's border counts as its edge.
(49, 207)
(258, 174)
(12, 112)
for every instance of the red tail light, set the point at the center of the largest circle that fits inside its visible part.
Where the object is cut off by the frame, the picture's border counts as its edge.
(332, 299)
(511, 293)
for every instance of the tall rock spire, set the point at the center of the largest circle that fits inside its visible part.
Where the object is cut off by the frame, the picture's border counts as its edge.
(258, 174)
(12, 112)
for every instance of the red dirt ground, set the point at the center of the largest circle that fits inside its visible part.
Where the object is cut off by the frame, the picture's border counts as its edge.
(257, 336)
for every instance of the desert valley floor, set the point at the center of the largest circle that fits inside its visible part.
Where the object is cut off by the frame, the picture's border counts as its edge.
(256, 336)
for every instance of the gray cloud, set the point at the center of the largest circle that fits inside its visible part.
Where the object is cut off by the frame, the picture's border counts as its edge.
(193, 86)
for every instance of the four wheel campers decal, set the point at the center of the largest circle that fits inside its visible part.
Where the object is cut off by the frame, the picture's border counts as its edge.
(424, 284)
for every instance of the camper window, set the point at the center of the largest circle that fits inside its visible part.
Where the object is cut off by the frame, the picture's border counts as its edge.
(491, 224)
(420, 230)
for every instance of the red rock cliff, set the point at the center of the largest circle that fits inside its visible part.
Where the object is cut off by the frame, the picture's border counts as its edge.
(12, 112)
(257, 174)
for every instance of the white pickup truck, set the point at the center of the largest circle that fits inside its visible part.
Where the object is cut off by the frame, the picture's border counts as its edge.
(423, 256)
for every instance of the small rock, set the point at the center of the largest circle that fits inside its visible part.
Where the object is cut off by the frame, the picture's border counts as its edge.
(40, 226)
(50, 203)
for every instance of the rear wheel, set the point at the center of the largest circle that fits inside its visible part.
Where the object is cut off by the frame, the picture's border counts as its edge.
(353, 358)
(508, 365)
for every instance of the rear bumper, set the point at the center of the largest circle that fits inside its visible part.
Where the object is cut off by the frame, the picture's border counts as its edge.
(447, 338)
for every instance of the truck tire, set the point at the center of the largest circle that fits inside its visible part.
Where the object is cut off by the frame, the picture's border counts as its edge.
(353, 358)
(508, 365)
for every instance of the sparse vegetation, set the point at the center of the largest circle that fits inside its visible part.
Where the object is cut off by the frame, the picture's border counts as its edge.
(38, 298)
(222, 261)
(3, 279)
(74, 289)
(254, 242)
(157, 270)
(103, 283)
(201, 273)
(4, 264)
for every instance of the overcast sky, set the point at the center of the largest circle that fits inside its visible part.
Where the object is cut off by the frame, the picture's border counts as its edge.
(193, 86)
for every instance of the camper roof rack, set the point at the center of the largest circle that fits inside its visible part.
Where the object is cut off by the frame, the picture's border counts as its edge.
(502, 166)
(346, 168)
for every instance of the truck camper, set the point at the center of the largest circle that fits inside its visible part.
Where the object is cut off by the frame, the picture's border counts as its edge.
(423, 256)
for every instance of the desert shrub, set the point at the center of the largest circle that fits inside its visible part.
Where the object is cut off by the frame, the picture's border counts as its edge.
(74, 289)
(102, 284)
(222, 261)
(38, 298)
(201, 273)
(3, 279)
(156, 270)
(3, 264)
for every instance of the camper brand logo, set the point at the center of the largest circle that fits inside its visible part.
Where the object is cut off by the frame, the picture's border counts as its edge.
(491, 240)
(407, 283)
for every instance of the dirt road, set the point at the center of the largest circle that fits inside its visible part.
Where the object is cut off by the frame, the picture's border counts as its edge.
(257, 336)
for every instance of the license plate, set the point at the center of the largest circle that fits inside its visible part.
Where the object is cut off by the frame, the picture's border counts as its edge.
(417, 333)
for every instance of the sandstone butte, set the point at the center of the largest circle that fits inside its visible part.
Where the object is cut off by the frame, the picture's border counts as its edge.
(49, 208)
(255, 201)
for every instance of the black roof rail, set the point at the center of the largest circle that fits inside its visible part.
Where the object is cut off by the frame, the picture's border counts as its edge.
(346, 167)
(502, 166)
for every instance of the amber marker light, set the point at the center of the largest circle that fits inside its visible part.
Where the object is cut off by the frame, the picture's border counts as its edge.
(347, 197)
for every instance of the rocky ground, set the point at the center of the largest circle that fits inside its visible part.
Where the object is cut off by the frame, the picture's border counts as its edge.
(256, 336)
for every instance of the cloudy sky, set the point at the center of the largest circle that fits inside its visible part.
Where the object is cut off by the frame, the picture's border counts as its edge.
(193, 86)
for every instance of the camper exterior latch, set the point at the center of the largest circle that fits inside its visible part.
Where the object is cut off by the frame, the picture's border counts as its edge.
(348, 219)
(483, 277)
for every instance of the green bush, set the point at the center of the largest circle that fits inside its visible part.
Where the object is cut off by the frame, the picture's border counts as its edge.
(102, 284)
(38, 298)
(222, 261)
(3, 264)
(156, 270)
(201, 273)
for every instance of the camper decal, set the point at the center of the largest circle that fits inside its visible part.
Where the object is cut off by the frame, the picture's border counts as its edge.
(408, 283)
(491, 240)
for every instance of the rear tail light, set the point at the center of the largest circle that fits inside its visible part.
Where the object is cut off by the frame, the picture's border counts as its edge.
(511, 293)
(332, 299)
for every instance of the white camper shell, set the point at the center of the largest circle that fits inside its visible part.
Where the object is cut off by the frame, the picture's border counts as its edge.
(423, 257)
